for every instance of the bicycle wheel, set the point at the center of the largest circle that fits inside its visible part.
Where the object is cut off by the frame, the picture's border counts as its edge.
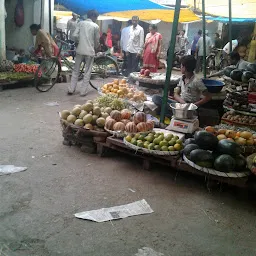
(223, 64)
(104, 67)
(69, 65)
(210, 63)
(47, 74)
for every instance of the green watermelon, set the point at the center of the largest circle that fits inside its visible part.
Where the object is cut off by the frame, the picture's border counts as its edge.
(202, 157)
(246, 76)
(206, 140)
(236, 75)
(225, 163)
(228, 70)
(251, 67)
(229, 147)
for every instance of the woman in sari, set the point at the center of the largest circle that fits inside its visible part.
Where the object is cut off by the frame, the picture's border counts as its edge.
(43, 42)
(152, 49)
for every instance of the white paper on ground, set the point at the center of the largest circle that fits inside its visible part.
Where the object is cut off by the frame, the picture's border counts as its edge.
(52, 104)
(146, 251)
(9, 169)
(116, 212)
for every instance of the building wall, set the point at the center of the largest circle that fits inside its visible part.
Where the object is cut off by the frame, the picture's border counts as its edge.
(21, 38)
(18, 37)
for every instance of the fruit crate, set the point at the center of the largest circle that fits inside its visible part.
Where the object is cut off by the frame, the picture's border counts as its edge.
(79, 136)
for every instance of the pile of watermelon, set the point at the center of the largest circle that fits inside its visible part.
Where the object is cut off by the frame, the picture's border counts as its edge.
(206, 151)
(241, 75)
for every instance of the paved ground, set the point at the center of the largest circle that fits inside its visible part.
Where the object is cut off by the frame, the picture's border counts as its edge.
(37, 206)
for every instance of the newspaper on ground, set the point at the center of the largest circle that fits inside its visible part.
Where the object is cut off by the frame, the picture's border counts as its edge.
(116, 212)
(9, 169)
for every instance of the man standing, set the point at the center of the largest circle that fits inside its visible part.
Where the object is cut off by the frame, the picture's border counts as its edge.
(87, 35)
(135, 46)
(194, 43)
(124, 42)
(200, 50)
(218, 41)
(71, 27)
(182, 41)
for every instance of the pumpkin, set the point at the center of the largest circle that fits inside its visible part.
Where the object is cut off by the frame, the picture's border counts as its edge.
(125, 121)
(131, 127)
(123, 81)
(108, 118)
(142, 127)
(139, 117)
(110, 123)
(115, 114)
(119, 126)
(126, 114)
(150, 125)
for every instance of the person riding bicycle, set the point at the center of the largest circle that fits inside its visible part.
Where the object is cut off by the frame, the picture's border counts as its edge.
(45, 45)
(87, 34)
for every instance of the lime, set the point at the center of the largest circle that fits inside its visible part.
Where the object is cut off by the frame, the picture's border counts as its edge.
(164, 148)
(146, 143)
(149, 138)
(172, 142)
(141, 137)
(139, 141)
(171, 148)
(151, 134)
(176, 137)
(161, 137)
(163, 143)
(137, 135)
(157, 147)
(134, 141)
(179, 142)
(156, 141)
(155, 136)
(128, 138)
(168, 137)
(140, 144)
(177, 147)
(151, 146)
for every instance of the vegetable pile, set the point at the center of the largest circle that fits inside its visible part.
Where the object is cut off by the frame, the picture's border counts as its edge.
(24, 68)
(232, 117)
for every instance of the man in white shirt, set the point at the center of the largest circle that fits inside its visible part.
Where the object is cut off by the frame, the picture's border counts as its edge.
(124, 42)
(87, 34)
(135, 46)
(200, 50)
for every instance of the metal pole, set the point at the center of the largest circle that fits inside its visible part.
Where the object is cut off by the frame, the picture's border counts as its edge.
(170, 59)
(230, 25)
(204, 38)
(2, 31)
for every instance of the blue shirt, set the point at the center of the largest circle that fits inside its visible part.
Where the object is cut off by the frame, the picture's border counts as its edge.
(195, 40)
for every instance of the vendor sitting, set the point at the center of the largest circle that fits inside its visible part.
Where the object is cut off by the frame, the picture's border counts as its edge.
(236, 62)
(189, 90)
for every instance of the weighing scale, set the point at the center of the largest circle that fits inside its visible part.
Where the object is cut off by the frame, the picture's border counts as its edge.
(183, 125)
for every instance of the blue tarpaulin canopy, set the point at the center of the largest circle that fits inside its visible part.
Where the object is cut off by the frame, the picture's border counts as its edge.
(104, 6)
(234, 20)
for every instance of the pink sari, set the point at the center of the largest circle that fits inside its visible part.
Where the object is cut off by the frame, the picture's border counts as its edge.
(151, 51)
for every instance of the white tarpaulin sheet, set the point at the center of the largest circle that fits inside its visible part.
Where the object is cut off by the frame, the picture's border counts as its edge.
(116, 212)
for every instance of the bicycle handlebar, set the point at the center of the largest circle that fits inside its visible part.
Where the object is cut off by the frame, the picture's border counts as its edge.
(63, 42)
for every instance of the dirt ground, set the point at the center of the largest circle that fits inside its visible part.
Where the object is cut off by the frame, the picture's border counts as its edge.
(37, 206)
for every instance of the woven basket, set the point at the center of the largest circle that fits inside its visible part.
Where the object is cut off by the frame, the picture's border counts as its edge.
(118, 134)
(151, 152)
(216, 173)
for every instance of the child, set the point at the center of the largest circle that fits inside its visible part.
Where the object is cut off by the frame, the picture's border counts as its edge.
(189, 90)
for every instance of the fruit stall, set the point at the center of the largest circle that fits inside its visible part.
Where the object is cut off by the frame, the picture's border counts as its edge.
(11, 73)
(110, 121)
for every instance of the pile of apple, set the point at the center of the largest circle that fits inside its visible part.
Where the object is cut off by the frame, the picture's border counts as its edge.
(144, 72)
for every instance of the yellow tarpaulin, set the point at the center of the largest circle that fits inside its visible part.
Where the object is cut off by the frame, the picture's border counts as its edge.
(240, 8)
(186, 15)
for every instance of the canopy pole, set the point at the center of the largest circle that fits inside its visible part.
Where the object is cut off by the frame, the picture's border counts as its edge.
(204, 38)
(170, 59)
(230, 25)
(2, 31)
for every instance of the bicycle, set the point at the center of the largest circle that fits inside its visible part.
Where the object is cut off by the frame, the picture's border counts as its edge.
(49, 71)
(216, 60)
